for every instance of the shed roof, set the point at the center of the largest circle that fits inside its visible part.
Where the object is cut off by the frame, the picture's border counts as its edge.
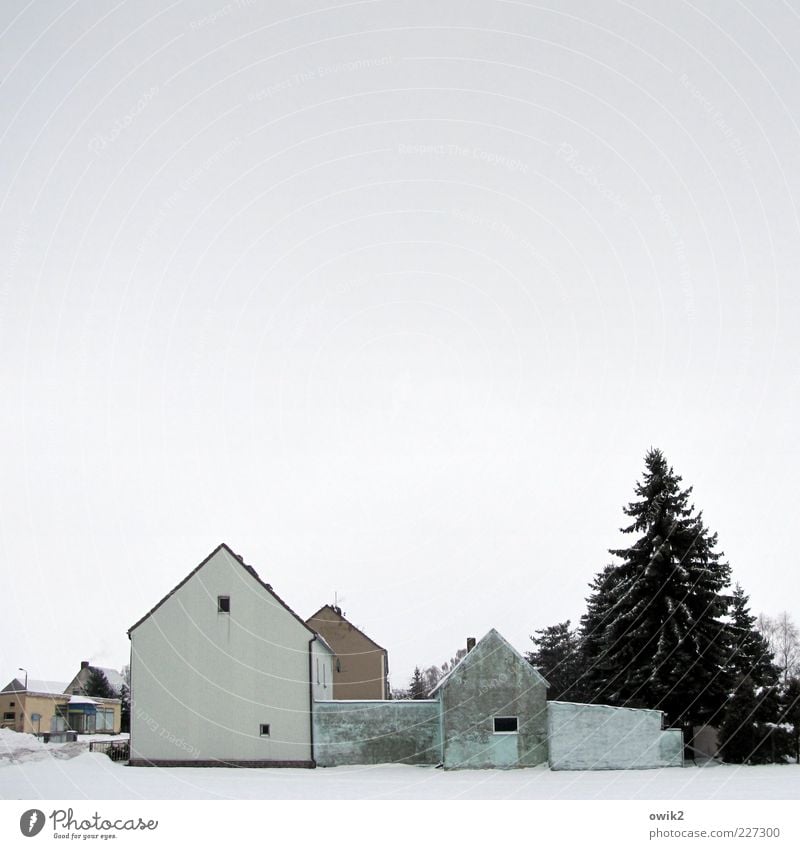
(469, 656)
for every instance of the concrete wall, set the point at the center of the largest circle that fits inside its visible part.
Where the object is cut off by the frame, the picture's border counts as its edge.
(603, 737)
(203, 681)
(360, 671)
(373, 732)
(493, 680)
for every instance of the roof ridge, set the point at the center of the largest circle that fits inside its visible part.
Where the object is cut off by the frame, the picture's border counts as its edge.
(246, 566)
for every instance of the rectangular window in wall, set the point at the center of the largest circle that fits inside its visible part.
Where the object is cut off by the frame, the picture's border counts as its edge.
(9, 715)
(223, 604)
(506, 725)
(263, 730)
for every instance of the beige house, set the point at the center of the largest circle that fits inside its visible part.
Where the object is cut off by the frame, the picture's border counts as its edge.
(30, 709)
(361, 666)
(43, 707)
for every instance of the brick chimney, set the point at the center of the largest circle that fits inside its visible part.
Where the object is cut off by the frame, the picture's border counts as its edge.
(470, 644)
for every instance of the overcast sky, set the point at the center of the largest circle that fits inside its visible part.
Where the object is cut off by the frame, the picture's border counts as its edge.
(392, 297)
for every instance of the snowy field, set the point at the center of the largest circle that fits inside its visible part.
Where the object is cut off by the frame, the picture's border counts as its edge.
(30, 769)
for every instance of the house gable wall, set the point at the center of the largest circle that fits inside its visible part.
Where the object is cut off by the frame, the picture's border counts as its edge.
(203, 681)
(360, 668)
(493, 680)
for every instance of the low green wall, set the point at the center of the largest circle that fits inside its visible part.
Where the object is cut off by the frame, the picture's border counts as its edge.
(603, 737)
(377, 732)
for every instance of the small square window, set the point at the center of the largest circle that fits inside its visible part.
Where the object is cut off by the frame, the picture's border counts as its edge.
(263, 730)
(506, 725)
(223, 603)
(11, 704)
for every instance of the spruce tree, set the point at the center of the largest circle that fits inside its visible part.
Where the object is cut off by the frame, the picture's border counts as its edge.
(749, 651)
(739, 736)
(653, 632)
(790, 714)
(557, 656)
(594, 622)
(417, 688)
(97, 685)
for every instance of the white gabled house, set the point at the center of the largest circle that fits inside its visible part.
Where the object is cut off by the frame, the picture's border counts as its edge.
(223, 672)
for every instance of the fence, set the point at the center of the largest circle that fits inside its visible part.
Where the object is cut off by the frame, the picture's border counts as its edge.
(117, 750)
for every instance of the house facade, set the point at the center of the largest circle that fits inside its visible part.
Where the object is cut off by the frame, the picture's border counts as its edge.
(47, 707)
(491, 711)
(361, 667)
(493, 708)
(223, 672)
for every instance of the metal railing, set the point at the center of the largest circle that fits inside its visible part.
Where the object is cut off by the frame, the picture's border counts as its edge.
(117, 750)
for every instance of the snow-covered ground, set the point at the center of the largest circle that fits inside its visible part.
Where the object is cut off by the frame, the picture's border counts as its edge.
(30, 769)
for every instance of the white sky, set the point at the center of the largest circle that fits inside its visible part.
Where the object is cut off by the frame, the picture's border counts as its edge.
(392, 297)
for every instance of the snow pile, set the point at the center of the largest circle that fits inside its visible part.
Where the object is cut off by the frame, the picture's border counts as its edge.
(15, 741)
(18, 748)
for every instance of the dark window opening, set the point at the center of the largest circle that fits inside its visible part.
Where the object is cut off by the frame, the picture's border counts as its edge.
(505, 725)
(338, 665)
(11, 704)
(10, 715)
(264, 730)
(224, 603)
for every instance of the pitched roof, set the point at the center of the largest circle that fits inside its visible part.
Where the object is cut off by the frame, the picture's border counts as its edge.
(466, 660)
(114, 678)
(338, 614)
(35, 685)
(249, 569)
